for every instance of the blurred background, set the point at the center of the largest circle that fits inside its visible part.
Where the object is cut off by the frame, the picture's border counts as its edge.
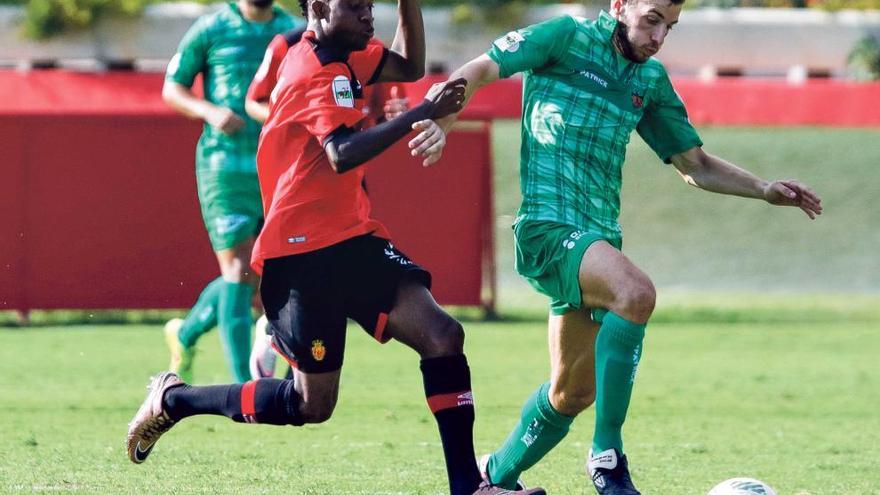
(762, 351)
(95, 159)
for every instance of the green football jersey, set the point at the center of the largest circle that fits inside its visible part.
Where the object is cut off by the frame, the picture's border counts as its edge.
(227, 50)
(581, 102)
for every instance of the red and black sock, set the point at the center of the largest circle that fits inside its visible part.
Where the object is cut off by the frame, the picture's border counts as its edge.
(268, 401)
(448, 390)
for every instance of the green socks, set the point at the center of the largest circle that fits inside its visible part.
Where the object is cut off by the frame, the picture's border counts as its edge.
(618, 349)
(540, 428)
(229, 305)
(203, 315)
(235, 327)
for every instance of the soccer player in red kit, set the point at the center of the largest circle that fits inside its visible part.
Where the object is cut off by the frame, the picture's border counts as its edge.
(382, 102)
(323, 259)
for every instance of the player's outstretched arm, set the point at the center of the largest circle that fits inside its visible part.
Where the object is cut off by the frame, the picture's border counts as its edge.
(181, 98)
(406, 57)
(478, 73)
(347, 148)
(715, 174)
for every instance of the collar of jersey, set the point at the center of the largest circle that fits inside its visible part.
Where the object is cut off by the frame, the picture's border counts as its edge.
(606, 24)
(327, 54)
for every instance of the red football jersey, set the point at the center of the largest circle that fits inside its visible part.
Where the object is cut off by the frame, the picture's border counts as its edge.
(267, 76)
(307, 205)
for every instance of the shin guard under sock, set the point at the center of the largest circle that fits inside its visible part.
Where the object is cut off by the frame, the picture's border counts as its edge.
(235, 327)
(448, 390)
(618, 350)
(203, 315)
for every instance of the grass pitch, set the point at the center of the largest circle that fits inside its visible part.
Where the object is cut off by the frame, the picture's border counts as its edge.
(793, 403)
(782, 388)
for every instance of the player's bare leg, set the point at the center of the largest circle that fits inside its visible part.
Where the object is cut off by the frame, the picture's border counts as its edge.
(318, 394)
(263, 357)
(572, 340)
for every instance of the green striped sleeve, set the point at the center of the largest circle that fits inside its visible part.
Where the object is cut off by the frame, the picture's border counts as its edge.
(533, 47)
(192, 55)
(665, 125)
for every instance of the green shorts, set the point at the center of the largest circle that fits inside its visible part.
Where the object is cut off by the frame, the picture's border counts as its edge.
(231, 206)
(549, 255)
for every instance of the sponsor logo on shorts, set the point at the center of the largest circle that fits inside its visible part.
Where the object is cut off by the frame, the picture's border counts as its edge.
(318, 350)
(395, 256)
(296, 239)
(230, 223)
(570, 241)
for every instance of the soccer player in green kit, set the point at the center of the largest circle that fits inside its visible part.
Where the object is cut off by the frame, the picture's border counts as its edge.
(587, 85)
(226, 47)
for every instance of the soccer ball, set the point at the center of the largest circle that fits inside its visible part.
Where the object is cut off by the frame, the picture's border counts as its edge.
(742, 486)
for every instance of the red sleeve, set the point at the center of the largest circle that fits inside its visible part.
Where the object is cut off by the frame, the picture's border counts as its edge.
(267, 75)
(328, 102)
(367, 63)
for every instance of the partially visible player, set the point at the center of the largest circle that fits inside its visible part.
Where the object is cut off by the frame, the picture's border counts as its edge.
(324, 259)
(588, 85)
(383, 101)
(226, 48)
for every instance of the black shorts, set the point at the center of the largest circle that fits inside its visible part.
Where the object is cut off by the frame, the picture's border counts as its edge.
(308, 298)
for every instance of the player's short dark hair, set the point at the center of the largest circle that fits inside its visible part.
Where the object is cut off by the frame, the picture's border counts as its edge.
(304, 5)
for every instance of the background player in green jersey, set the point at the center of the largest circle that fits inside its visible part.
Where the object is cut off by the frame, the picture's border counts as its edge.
(226, 47)
(587, 85)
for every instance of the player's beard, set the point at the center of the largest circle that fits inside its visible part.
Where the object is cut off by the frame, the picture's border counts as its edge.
(621, 40)
(261, 4)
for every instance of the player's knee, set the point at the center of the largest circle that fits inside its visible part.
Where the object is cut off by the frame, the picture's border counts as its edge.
(312, 412)
(573, 400)
(445, 337)
(236, 272)
(636, 302)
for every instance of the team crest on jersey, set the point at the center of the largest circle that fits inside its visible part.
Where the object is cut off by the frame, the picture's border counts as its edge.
(342, 92)
(318, 350)
(637, 100)
(509, 42)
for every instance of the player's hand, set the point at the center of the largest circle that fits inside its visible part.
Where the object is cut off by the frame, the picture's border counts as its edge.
(793, 193)
(429, 143)
(395, 104)
(225, 120)
(446, 97)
